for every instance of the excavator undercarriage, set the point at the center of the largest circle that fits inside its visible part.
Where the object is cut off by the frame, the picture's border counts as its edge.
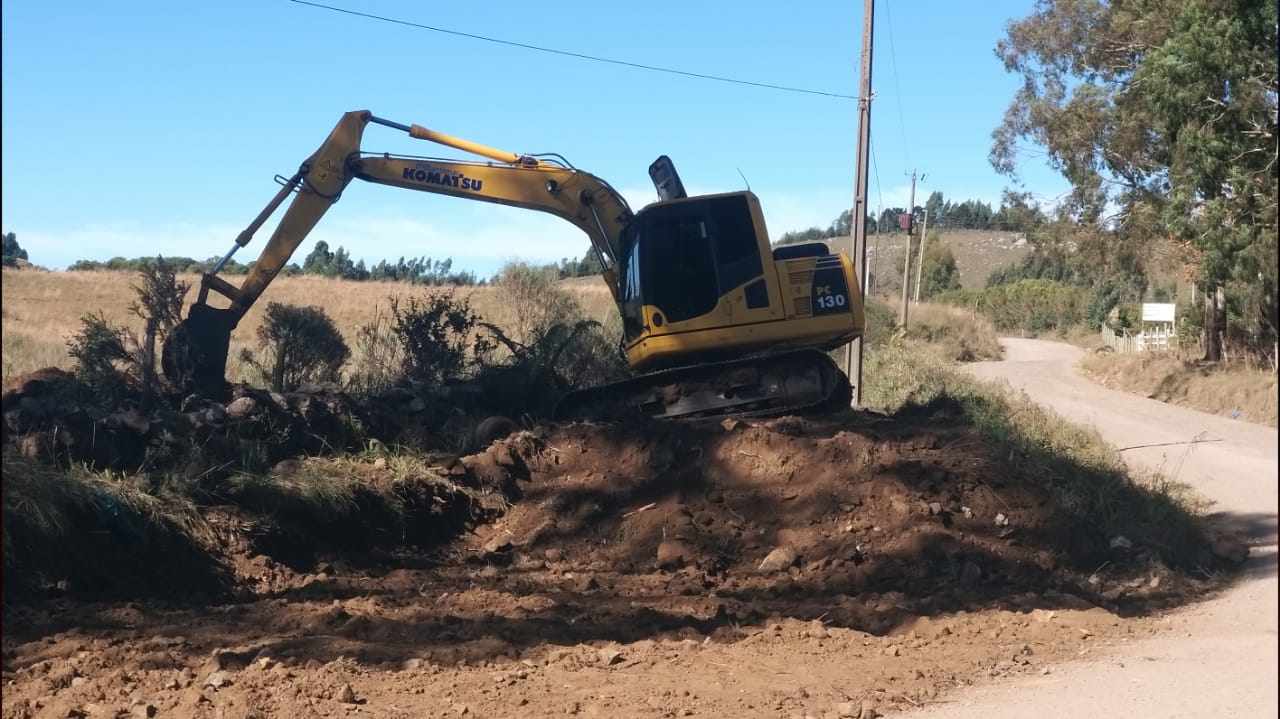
(797, 382)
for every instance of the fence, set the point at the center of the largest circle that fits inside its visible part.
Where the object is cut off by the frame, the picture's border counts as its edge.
(1156, 338)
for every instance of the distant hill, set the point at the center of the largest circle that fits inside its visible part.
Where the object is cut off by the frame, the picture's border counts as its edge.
(977, 253)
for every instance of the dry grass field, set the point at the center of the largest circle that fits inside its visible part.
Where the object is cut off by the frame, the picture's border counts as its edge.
(42, 310)
(978, 253)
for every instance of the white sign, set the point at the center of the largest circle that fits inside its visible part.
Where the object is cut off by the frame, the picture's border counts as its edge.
(1158, 311)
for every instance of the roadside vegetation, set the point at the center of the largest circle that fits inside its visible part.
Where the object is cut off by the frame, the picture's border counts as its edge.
(1240, 392)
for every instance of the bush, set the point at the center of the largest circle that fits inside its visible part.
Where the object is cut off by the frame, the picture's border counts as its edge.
(436, 336)
(159, 305)
(1028, 306)
(881, 321)
(938, 272)
(98, 349)
(300, 345)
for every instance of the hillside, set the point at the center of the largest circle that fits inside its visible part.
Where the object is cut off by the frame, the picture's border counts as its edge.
(977, 253)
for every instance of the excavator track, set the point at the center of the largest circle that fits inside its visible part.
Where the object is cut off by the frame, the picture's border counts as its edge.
(798, 382)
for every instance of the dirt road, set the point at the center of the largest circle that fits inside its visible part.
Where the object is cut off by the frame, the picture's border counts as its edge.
(1219, 657)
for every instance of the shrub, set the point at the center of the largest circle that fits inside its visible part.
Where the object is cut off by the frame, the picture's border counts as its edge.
(938, 271)
(1029, 306)
(435, 333)
(159, 305)
(532, 303)
(881, 321)
(378, 358)
(98, 348)
(299, 345)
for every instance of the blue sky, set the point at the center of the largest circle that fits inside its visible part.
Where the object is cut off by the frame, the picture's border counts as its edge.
(152, 127)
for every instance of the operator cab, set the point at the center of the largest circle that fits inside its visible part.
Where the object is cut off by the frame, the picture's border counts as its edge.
(684, 255)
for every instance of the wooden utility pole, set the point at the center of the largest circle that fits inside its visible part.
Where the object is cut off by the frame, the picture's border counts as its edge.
(853, 352)
(906, 254)
(924, 235)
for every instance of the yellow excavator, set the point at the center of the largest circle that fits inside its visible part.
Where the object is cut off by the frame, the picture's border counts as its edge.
(715, 321)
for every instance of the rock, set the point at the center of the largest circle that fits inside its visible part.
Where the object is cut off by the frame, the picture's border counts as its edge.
(778, 560)
(461, 709)
(817, 630)
(346, 694)
(143, 710)
(217, 680)
(498, 545)
(846, 710)
(1121, 542)
(214, 414)
(609, 656)
(673, 554)
(868, 711)
(491, 430)
(59, 709)
(241, 408)
(935, 508)
(553, 554)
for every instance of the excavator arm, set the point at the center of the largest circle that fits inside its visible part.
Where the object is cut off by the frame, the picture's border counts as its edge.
(196, 352)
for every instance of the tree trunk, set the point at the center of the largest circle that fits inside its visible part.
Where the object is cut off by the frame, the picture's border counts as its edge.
(277, 371)
(1215, 311)
(149, 363)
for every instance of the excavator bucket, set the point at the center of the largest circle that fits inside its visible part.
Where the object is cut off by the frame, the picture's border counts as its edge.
(194, 356)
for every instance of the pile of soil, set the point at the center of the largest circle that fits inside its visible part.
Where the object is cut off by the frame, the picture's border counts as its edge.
(845, 565)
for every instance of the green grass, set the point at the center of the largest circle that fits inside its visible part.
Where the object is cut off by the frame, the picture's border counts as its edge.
(42, 503)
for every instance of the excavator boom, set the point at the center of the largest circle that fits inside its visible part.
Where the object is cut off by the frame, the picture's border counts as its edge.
(196, 355)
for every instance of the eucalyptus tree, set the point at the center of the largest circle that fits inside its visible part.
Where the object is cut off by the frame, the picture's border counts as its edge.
(1162, 114)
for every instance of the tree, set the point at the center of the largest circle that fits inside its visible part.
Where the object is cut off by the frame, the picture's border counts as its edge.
(1166, 109)
(12, 250)
(319, 260)
(938, 272)
(935, 207)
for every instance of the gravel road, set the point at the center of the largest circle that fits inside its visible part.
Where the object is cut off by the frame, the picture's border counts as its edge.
(1218, 658)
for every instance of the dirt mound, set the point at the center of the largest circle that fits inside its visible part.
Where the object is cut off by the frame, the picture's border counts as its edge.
(812, 516)
(841, 566)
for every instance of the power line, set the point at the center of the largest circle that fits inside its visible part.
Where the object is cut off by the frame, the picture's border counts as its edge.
(879, 194)
(893, 61)
(566, 53)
